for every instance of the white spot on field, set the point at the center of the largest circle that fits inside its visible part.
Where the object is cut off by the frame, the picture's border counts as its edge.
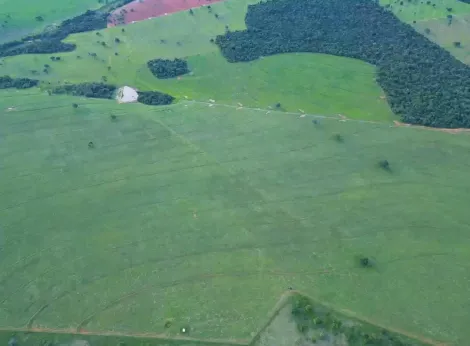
(127, 95)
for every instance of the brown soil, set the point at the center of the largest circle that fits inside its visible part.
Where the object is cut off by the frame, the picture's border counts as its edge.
(139, 10)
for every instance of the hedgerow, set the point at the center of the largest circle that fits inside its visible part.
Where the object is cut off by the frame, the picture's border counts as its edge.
(18, 83)
(424, 83)
(94, 90)
(154, 98)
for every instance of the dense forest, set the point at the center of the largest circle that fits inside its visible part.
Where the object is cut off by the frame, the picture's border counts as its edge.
(94, 90)
(154, 98)
(424, 83)
(163, 68)
(18, 83)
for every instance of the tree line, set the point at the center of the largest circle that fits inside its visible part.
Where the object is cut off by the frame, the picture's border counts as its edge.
(107, 91)
(49, 41)
(424, 83)
(164, 68)
(7, 82)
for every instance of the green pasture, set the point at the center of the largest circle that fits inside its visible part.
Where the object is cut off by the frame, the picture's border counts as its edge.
(445, 35)
(18, 17)
(417, 10)
(313, 83)
(205, 215)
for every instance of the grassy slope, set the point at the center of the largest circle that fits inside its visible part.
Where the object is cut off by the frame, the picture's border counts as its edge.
(207, 214)
(445, 35)
(314, 83)
(419, 10)
(24, 12)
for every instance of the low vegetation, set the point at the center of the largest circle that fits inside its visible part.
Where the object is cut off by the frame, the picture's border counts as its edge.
(18, 83)
(165, 68)
(424, 83)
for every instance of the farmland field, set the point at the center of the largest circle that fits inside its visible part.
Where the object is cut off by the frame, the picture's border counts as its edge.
(205, 215)
(18, 17)
(270, 175)
(312, 82)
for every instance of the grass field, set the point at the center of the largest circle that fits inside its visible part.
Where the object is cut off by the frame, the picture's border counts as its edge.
(445, 35)
(19, 16)
(417, 10)
(205, 215)
(312, 82)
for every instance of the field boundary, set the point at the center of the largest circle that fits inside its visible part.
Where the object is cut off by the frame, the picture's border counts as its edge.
(281, 303)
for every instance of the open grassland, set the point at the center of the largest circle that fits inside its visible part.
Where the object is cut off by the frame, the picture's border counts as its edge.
(205, 215)
(315, 83)
(18, 17)
(447, 35)
(417, 10)
(312, 82)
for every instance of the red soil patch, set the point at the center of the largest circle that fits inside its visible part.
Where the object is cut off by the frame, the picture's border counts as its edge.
(144, 9)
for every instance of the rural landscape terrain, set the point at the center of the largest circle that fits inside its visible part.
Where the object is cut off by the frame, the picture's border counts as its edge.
(234, 172)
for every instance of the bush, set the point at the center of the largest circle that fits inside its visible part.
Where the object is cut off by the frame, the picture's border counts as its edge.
(154, 98)
(424, 83)
(7, 82)
(94, 90)
(163, 68)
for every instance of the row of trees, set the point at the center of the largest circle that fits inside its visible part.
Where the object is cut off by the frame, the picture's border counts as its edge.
(164, 68)
(154, 98)
(424, 83)
(107, 91)
(94, 90)
(18, 83)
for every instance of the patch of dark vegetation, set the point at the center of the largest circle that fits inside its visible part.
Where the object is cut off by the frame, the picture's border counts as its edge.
(424, 83)
(7, 82)
(93, 90)
(384, 164)
(465, 1)
(154, 98)
(164, 68)
(319, 324)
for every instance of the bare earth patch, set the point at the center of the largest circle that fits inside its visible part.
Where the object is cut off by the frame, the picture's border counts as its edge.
(453, 131)
(139, 10)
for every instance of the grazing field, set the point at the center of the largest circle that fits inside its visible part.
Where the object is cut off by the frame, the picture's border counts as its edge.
(204, 216)
(452, 37)
(18, 17)
(314, 83)
(417, 10)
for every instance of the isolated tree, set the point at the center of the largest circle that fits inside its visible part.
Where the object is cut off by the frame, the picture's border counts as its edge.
(191, 12)
(74, 105)
(427, 31)
(384, 164)
(117, 40)
(216, 16)
(278, 105)
(91, 145)
(457, 44)
(337, 137)
(364, 262)
(39, 18)
(113, 117)
(212, 40)
(122, 30)
(109, 68)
